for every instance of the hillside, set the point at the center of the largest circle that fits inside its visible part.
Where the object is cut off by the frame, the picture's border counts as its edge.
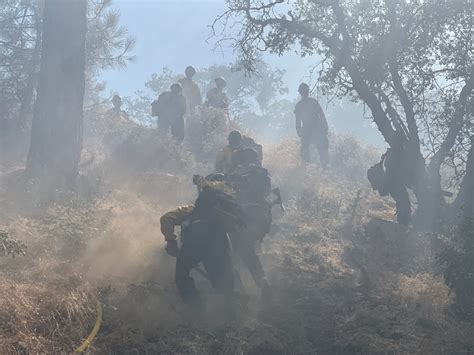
(345, 278)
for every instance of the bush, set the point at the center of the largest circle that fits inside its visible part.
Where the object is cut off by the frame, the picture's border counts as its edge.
(459, 272)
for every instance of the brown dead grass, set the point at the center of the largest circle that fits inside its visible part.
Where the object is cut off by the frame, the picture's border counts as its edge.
(44, 317)
(112, 247)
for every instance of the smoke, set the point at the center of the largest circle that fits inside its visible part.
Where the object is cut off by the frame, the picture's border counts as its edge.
(129, 244)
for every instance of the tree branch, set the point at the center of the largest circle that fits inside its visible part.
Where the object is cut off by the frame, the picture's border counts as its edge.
(455, 125)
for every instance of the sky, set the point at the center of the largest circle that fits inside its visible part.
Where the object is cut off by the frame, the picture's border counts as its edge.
(176, 34)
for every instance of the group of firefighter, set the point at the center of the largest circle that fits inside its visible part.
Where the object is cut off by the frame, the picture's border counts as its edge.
(174, 107)
(233, 210)
(184, 99)
(230, 217)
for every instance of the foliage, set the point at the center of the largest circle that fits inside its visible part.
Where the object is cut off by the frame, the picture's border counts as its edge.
(10, 246)
(245, 93)
(274, 122)
(404, 60)
(459, 272)
(19, 31)
(108, 46)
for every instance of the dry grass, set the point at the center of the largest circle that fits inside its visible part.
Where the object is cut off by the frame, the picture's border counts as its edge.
(44, 317)
(338, 287)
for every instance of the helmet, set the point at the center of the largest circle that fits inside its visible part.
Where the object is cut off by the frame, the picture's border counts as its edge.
(234, 138)
(189, 71)
(216, 177)
(116, 100)
(220, 82)
(176, 88)
(303, 88)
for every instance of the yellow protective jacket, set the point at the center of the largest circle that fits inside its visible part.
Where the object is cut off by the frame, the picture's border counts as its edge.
(174, 218)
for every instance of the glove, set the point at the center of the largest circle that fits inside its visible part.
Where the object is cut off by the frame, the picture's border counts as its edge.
(172, 248)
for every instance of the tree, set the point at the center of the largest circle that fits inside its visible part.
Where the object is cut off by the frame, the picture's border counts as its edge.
(56, 136)
(465, 198)
(19, 57)
(396, 57)
(107, 46)
(244, 92)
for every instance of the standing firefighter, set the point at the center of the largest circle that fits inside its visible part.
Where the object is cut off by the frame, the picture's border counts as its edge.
(170, 109)
(252, 184)
(311, 126)
(216, 97)
(116, 112)
(237, 142)
(191, 90)
(204, 228)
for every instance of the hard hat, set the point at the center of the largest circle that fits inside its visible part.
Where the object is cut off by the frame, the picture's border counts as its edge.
(176, 88)
(303, 88)
(234, 136)
(189, 71)
(216, 177)
(220, 81)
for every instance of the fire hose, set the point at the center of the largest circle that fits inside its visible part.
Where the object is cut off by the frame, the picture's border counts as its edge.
(98, 322)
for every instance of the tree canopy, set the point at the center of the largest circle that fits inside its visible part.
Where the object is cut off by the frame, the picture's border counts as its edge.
(409, 62)
(246, 93)
(108, 45)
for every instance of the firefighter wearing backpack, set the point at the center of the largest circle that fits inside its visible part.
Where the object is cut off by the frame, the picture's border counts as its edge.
(204, 236)
(252, 184)
(170, 108)
(236, 141)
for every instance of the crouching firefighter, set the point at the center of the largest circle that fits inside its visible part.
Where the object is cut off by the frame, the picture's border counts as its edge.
(204, 237)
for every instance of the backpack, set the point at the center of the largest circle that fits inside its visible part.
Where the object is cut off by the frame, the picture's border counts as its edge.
(252, 182)
(376, 176)
(219, 207)
(248, 142)
(158, 105)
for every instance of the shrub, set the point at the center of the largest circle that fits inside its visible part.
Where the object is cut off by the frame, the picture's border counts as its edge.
(459, 272)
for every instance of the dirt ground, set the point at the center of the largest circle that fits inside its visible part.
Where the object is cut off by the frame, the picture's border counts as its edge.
(345, 278)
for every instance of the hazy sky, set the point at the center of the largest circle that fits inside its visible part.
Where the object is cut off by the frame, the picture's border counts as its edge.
(175, 34)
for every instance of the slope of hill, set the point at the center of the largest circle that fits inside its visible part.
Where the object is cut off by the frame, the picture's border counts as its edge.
(345, 278)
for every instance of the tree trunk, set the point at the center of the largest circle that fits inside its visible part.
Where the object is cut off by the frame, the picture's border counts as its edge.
(465, 199)
(32, 79)
(56, 135)
(432, 202)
